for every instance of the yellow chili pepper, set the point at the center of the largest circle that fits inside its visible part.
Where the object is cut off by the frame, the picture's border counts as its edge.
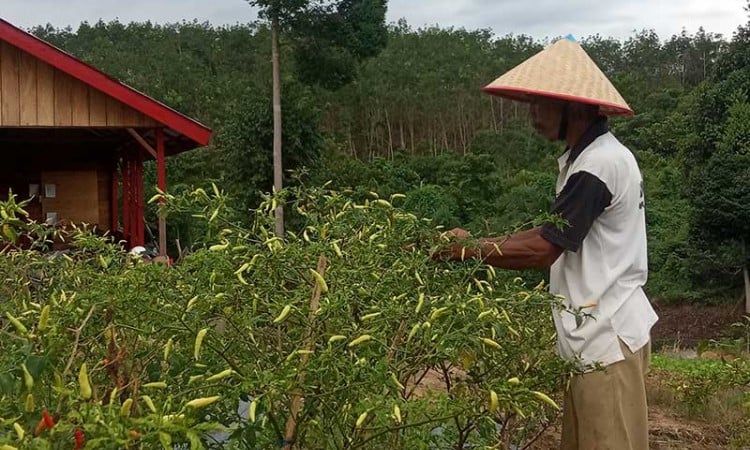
(419, 303)
(21, 328)
(28, 380)
(168, 348)
(253, 409)
(491, 343)
(125, 408)
(43, 318)
(83, 382)
(361, 420)
(202, 402)
(29, 406)
(338, 337)
(19, 431)
(494, 402)
(284, 314)
(221, 375)
(150, 403)
(359, 340)
(198, 342)
(320, 281)
(545, 398)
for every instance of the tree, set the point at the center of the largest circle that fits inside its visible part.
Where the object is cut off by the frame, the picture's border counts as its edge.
(341, 32)
(721, 194)
(246, 140)
(277, 11)
(737, 55)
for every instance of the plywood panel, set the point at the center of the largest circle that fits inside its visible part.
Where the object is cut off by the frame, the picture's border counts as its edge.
(63, 104)
(33, 93)
(10, 102)
(97, 108)
(77, 196)
(130, 116)
(104, 180)
(28, 87)
(45, 94)
(114, 112)
(79, 99)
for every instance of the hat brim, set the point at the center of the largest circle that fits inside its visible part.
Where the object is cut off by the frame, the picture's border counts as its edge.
(526, 95)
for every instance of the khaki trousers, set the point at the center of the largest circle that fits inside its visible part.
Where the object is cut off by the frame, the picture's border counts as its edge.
(606, 410)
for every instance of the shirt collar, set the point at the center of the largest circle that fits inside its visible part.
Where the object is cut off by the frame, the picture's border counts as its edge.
(597, 128)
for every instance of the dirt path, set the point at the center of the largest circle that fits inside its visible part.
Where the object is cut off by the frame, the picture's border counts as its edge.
(674, 433)
(687, 325)
(679, 326)
(666, 432)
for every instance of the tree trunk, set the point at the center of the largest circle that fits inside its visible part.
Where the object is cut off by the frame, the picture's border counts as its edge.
(502, 114)
(278, 171)
(492, 107)
(746, 275)
(401, 134)
(352, 149)
(411, 136)
(461, 130)
(445, 137)
(390, 133)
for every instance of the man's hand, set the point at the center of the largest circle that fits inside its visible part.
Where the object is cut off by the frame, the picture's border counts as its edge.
(458, 233)
(454, 251)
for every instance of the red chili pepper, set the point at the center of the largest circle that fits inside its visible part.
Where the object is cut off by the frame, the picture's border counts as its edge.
(78, 433)
(40, 427)
(49, 422)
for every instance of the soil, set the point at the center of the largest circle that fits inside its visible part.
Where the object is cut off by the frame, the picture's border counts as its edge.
(679, 326)
(666, 432)
(687, 325)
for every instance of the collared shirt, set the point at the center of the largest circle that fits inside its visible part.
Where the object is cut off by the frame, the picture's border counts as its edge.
(604, 266)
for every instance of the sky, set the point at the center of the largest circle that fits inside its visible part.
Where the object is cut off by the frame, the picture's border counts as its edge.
(538, 18)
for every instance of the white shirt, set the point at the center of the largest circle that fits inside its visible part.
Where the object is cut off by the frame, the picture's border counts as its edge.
(604, 278)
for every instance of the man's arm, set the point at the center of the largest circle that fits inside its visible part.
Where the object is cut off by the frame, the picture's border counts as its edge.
(523, 250)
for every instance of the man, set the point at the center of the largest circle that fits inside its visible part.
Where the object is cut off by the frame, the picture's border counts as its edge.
(598, 260)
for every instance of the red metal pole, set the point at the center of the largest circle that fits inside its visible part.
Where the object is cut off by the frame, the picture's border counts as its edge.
(134, 200)
(113, 207)
(141, 226)
(161, 181)
(126, 197)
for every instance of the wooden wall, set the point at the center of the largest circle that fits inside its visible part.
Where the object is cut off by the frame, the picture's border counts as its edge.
(33, 93)
(104, 191)
(82, 196)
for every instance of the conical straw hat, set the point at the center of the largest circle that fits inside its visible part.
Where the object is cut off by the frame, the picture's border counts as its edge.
(562, 71)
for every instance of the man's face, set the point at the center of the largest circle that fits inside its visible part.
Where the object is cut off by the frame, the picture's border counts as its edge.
(546, 116)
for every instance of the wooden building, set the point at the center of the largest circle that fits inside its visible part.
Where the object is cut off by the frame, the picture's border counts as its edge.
(75, 140)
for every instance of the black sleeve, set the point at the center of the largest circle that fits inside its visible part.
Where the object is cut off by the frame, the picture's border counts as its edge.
(581, 201)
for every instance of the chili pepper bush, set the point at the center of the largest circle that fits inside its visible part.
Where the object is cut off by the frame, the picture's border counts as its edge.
(343, 335)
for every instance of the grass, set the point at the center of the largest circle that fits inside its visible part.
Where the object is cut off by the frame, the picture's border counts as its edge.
(712, 391)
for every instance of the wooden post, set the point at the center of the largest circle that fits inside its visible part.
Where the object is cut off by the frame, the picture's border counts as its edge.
(298, 396)
(161, 182)
(131, 202)
(278, 172)
(140, 225)
(746, 277)
(114, 210)
(126, 197)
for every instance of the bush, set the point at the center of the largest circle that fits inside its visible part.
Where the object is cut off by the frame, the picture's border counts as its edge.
(434, 203)
(388, 349)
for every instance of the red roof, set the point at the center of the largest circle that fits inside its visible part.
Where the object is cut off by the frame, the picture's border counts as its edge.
(182, 124)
